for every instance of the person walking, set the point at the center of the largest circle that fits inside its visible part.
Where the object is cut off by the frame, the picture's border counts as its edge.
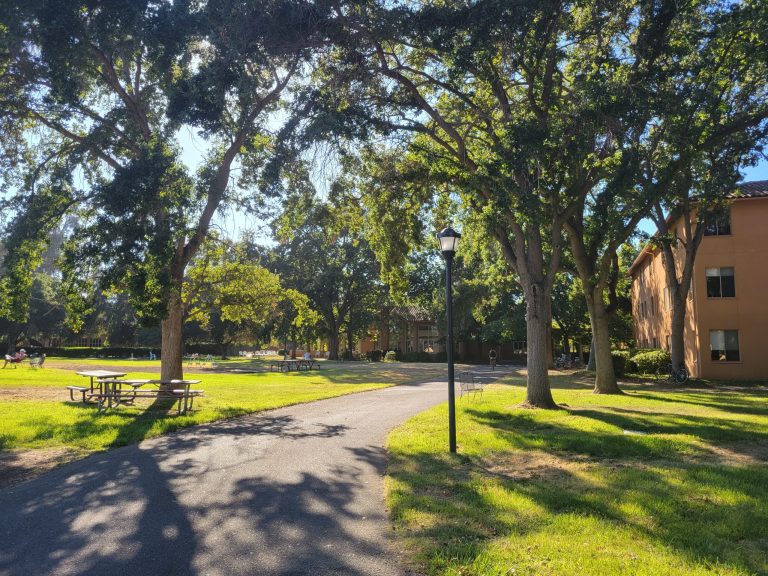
(492, 358)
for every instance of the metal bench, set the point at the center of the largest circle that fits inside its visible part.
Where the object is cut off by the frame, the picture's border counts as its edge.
(469, 384)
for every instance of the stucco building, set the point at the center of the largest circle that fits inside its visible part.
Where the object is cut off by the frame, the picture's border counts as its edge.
(726, 330)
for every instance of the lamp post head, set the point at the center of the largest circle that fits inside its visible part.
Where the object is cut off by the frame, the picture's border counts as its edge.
(449, 241)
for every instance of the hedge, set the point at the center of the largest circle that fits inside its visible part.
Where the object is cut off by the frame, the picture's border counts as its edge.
(116, 351)
(650, 362)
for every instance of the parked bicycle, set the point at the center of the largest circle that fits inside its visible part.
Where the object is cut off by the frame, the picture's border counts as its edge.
(667, 373)
(566, 362)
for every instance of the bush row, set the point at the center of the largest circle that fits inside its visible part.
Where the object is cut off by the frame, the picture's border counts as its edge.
(643, 362)
(116, 351)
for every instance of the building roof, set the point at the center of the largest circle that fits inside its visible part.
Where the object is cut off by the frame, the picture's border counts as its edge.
(756, 189)
(411, 313)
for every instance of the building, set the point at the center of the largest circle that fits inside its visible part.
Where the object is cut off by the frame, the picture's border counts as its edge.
(404, 328)
(726, 330)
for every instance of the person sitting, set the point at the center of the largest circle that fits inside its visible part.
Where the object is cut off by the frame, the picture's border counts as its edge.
(17, 358)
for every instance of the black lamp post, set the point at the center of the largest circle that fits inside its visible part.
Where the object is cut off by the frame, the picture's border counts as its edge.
(449, 242)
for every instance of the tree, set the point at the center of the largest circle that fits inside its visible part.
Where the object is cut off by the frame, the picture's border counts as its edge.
(323, 256)
(719, 123)
(229, 295)
(107, 91)
(569, 310)
(492, 95)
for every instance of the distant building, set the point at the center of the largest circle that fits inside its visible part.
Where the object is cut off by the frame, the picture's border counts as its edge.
(404, 328)
(726, 330)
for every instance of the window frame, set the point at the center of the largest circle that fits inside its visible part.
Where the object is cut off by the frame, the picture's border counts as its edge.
(720, 285)
(716, 221)
(725, 350)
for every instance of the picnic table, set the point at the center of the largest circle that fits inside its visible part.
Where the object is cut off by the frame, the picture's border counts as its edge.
(96, 377)
(294, 364)
(111, 389)
(179, 390)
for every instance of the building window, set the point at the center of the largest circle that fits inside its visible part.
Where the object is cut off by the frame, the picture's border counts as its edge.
(724, 345)
(718, 224)
(655, 343)
(720, 283)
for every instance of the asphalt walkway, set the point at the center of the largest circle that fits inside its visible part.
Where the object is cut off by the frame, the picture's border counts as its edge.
(292, 491)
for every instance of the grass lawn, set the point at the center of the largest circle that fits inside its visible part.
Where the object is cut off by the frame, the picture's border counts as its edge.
(41, 427)
(654, 482)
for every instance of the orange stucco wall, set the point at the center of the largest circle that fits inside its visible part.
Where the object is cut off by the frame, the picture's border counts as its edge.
(746, 250)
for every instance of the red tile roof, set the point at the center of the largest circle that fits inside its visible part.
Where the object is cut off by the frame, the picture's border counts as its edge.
(756, 189)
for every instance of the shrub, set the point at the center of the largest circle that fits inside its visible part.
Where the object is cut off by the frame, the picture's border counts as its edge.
(100, 352)
(390, 356)
(374, 355)
(650, 362)
(416, 357)
(620, 361)
(281, 352)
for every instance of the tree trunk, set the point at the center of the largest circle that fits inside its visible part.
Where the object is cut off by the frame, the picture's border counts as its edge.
(13, 335)
(592, 362)
(171, 351)
(605, 376)
(677, 333)
(566, 347)
(333, 346)
(537, 317)
(350, 341)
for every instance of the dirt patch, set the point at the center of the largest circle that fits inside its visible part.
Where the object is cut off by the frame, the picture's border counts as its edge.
(18, 466)
(539, 465)
(532, 465)
(734, 454)
(33, 393)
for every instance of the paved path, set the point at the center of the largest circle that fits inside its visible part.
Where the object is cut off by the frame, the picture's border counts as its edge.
(297, 490)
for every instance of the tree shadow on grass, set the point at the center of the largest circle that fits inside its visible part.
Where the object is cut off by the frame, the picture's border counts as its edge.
(726, 401)
(705, 515)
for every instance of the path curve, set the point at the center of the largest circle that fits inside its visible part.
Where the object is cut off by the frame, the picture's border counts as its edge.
(298, 490)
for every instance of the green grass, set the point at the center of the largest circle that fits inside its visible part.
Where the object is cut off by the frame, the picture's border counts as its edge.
(35, 411)
(569, 492)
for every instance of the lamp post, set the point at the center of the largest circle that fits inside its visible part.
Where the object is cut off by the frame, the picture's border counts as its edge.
(449, 242)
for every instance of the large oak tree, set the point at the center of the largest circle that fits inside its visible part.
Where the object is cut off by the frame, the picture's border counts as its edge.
(103, 89)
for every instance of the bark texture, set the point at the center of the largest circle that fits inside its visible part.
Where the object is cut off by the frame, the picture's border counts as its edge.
(537, 318)
(172, 348)
(605, 376)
